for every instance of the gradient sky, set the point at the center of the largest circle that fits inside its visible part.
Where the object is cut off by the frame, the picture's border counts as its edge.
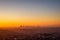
(29, 12)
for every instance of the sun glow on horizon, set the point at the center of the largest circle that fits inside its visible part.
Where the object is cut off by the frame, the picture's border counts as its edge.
(29, 13)
(27, 23)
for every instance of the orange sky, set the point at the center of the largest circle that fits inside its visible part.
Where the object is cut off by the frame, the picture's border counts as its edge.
(28, 23)
(31, 13)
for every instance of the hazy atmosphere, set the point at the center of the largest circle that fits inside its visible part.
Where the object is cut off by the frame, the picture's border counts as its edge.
(29, 20)
(29, 12)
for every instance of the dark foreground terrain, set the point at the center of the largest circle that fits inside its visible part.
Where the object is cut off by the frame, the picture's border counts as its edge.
(30, 34)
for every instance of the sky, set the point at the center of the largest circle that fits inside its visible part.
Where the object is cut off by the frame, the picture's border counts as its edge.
(29, 12)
